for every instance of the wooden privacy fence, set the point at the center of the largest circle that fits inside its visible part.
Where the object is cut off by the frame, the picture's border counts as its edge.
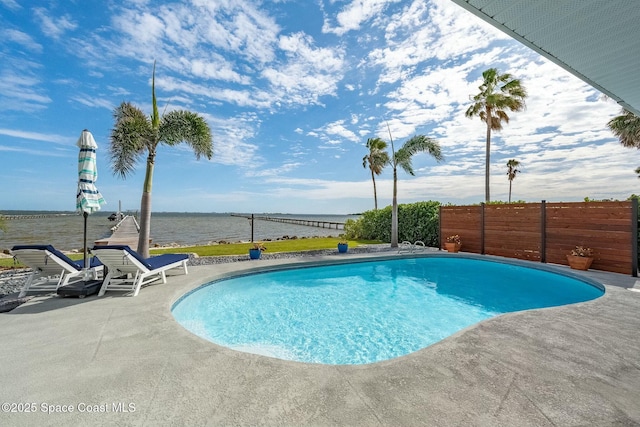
(547, 232)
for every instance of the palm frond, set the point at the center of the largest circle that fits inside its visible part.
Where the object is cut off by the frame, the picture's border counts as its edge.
(185, 126)
(378, 162)
(627, 128)
(512, 169)
(377, 158)
(498, 93)
(475, 109)
(417, 144)
(376, 144)
(155, 117)
(129, 138)
(403, 159)
(421, 144)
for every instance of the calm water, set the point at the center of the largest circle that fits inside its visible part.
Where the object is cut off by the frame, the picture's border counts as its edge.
(367, 312)
(65, 230)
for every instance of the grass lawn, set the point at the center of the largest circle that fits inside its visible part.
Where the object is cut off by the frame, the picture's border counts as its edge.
(294, 245)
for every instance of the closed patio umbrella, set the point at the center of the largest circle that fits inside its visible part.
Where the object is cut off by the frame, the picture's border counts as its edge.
(88, 198)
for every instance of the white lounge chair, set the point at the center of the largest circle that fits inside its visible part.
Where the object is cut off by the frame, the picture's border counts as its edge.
(128, 271)
(51, 268)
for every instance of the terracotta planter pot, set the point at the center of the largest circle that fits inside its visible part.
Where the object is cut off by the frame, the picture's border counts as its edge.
(452, 247)
(579, 262)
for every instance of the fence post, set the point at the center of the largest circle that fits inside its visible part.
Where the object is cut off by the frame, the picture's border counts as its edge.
(634, 237)
(543, 231)
(251, 228)
(482, 228)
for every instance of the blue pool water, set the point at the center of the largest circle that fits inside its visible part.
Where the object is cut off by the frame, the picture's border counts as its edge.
(367, 312)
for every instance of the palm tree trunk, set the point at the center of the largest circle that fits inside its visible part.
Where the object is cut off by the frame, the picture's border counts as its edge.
(145, 210)
(487, 168)
(375, 194)
(394, 211)
(145, 225)
(510, 182)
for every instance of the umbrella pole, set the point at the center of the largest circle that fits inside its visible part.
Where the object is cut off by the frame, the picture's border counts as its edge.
(85, 215)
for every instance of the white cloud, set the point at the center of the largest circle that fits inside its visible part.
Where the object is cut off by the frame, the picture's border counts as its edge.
(229, 136)
(230, 43)
(202, 30)
(92, 101)
(307, 73)
(220, 70)
(352, 16)
(20, 89)
(54, 27)
(22, 38)
(425, 31)
(319, 188)
(11, 4)
(30, 151)
(337, 128)
(281, 170)
(35, 136)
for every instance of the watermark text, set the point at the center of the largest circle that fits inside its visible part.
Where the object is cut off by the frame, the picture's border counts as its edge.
(82, 407)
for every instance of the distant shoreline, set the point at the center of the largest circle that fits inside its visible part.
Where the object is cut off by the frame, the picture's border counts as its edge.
(106, 213)
(65, 232)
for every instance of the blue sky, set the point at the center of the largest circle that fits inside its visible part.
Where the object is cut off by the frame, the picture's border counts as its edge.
(291, 91)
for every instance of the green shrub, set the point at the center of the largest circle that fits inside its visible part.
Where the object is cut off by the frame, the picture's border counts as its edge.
(416, 221)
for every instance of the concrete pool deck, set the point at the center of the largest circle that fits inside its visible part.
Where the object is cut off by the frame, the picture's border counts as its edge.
(119, 360)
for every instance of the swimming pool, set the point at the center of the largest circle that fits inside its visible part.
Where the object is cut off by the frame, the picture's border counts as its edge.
(366, 312)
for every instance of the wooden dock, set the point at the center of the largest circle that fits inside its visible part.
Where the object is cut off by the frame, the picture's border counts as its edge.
(124, 232)
(298, 221)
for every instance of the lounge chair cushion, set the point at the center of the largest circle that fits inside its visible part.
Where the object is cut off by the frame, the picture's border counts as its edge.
(79, 264)
(151, 263)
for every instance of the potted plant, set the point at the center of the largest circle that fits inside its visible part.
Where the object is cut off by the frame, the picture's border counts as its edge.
(343, 246)
(256, 251)
(453, 243)
(580, 258)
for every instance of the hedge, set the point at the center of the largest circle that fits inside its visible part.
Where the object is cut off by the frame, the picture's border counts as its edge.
(416, 221)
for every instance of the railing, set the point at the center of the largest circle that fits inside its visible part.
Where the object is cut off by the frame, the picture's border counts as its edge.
(297, 221)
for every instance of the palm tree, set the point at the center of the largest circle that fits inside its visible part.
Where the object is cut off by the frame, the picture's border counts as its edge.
(135, 134)
(627, 128)
(511, 173)
(498, 93)
(376, 160)
(402, 158)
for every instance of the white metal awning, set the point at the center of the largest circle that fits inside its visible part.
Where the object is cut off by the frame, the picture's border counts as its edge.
(596, 40)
